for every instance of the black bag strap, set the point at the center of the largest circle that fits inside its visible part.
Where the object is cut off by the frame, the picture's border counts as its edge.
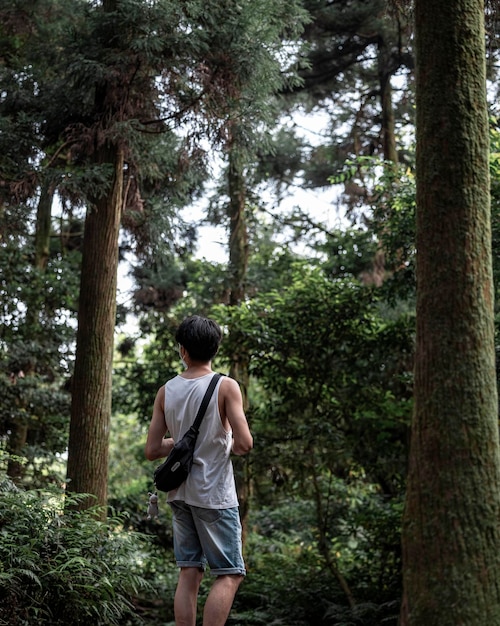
(205, 401)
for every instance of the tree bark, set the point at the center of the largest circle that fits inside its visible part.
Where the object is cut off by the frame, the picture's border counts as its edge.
(238, 262)
(451, 530)
(87, 470)
(388, 125)
(238, 236)
(43, 226)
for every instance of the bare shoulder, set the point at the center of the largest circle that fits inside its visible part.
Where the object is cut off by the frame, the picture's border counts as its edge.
(229, 385)
(160, 397)
(230, 400)
(231, 405)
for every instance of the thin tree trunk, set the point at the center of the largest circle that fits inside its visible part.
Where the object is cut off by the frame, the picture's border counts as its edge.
(324, 542)
(19, 430)
(43, 226)
(238, 262)
(451, 530)
(238, 236)
(388, 124)
(91, 393)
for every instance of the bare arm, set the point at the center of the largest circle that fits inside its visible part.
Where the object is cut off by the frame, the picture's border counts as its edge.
(232, 410)
(157, 446)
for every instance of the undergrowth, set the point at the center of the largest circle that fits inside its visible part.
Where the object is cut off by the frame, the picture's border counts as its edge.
(65, 567)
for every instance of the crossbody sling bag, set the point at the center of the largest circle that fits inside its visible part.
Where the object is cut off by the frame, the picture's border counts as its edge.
(175, 469)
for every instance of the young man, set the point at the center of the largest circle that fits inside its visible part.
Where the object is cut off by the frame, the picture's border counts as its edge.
(206, 521)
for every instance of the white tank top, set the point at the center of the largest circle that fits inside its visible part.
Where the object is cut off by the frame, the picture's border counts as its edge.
(210, 483)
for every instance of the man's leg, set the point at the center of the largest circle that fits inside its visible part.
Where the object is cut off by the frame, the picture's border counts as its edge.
(186, 596)
(220, 599)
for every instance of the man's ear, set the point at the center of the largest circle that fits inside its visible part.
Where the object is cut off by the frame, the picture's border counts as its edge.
(183, 353)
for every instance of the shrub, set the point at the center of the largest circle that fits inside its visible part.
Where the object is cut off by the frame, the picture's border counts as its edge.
(64, 567)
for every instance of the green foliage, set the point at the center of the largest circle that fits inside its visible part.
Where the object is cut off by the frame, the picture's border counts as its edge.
(64, 568)
(288, 582)
(143, 364)
(36, 353)
(328, 368)
(495, 204)
(350, 169)
(393, 222)
(126, 460)
(350, 253)
(330, 404)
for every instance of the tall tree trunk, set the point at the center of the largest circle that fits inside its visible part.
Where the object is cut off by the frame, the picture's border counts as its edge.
(238, 262)
(91, 393)
(323, 540)
(451, 529)
(388, 125)
(43, 226)
(19, 430)
(238, 236)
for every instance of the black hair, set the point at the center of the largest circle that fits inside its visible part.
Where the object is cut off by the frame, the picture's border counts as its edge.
(200, 336)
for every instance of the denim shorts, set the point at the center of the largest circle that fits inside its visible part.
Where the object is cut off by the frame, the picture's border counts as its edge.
(210, 536)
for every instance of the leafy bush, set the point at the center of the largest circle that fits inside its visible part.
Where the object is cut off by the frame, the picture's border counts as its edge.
(289, 583)
(60, 567)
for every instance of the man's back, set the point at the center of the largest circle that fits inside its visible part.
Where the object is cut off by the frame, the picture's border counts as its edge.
(210, 483)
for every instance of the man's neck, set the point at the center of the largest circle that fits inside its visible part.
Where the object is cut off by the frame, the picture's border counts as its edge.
(197, 369)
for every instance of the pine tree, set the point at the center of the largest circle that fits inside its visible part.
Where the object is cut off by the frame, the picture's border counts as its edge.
(451, 535)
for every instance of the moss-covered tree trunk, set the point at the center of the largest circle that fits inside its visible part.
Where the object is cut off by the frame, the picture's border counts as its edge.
(451, 530)
(91, 391)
